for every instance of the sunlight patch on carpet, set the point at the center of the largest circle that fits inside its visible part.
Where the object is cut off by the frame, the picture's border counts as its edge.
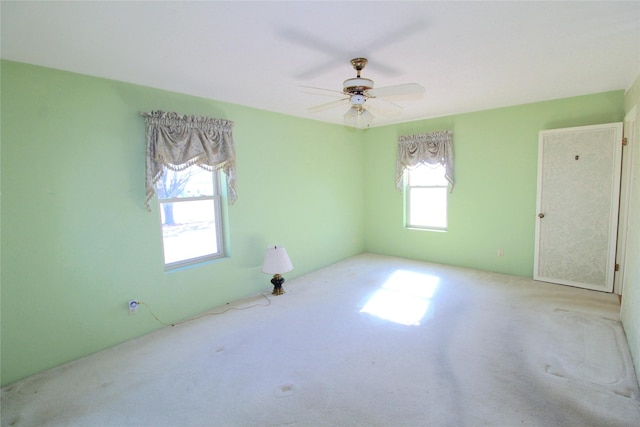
(404, 298)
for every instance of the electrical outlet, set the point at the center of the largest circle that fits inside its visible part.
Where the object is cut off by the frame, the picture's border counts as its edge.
(133, 306)
(500, 252)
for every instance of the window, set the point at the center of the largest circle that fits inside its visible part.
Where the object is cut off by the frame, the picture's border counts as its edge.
(426, 197)
(191, 216)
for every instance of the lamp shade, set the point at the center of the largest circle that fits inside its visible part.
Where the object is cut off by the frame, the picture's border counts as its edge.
(276, 261)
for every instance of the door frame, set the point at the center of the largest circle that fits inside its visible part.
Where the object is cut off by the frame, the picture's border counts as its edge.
(628, 151)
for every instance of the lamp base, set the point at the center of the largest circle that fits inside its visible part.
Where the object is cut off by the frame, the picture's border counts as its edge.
(277, 282)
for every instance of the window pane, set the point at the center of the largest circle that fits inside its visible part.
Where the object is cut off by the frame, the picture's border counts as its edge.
(427, 175)
(428, 207)
(191, 182)
(188, 230)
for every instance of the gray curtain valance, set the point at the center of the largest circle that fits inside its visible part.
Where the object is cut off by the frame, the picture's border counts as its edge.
(425, 148)
(177, 142)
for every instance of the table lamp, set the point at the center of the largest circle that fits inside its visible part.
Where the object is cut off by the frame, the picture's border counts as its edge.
(276, 262)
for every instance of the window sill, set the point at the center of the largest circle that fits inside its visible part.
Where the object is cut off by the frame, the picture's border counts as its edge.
(437, 230)
(180, 266)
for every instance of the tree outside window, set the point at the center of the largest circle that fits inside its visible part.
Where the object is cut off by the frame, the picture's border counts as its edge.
(190, 214)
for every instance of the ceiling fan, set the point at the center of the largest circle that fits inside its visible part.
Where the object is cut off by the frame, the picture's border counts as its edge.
(364, 98)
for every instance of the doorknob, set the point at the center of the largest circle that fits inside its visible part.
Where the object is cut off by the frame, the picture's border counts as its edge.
(541, 215)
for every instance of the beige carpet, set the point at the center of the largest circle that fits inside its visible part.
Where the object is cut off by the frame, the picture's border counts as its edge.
(369, 341)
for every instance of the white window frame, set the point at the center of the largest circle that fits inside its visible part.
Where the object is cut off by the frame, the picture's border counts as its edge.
(218, 221)
(407, 201)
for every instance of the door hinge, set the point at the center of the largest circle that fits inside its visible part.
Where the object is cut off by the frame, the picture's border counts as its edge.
(617, 267)
(625, 141)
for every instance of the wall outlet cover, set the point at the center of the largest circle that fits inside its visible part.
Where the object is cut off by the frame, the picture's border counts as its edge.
(133, 306)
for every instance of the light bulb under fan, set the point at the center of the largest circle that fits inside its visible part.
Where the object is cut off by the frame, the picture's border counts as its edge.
(357, 92)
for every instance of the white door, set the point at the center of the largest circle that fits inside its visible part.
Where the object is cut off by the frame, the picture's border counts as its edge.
(577, 206)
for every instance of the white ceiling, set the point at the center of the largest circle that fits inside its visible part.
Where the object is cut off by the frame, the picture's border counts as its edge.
(469, 56)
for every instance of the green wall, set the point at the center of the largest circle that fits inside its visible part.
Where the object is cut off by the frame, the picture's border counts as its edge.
(78, 243)
(493, 203)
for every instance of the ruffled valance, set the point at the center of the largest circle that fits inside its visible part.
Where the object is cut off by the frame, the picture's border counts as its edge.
(425, 148)
(177, 142)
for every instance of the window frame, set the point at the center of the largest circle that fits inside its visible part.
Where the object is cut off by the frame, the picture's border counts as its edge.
(407, 200)
(219, 219)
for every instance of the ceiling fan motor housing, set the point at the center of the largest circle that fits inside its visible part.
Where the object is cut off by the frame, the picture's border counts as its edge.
(357, 85)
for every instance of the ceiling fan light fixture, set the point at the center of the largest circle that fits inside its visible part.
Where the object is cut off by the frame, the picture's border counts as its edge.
(367, 118)
(351, 116)
(358, 99)
(358, 116)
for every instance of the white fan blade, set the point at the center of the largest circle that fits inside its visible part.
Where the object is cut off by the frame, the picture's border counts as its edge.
(405, 89)
(384, 107)
(328, 105)
(321, 91)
